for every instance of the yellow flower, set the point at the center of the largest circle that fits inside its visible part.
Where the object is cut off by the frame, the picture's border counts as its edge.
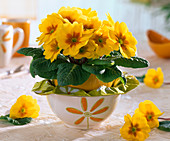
(71, 14)
(51, 50)
(71, 38)
(104, 45)
(25, 106)
(135, 128)
(86, 51)
(154, 78)
(110, 22)
(91, 23)
(88, 12)
(150, 111)
(48, 27)
(123, 39)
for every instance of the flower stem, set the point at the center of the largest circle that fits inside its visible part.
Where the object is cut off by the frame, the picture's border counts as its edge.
(164, 118)
(87, 123)
(166, 83)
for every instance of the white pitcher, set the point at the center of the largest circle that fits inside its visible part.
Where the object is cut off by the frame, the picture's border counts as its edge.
(6, 43)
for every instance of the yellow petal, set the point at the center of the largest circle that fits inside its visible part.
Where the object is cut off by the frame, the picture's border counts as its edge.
(123, 27)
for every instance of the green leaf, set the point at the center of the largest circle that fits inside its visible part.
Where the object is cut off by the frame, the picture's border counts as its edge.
(94, 69)
(19, 121)
(44, 68)
(131, 84)
(32, 70)
(34, 52)
(44, 87)
(140, 78)
(123, 80)
(101, 62)
(134, 62)
(71, 74)
(164, 125)
(109, 74)
(47, 74)
(45, 65)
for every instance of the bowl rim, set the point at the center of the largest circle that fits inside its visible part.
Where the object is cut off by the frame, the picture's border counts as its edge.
(85, 96)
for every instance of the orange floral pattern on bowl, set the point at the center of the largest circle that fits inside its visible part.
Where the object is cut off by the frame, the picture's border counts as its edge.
(88, 114)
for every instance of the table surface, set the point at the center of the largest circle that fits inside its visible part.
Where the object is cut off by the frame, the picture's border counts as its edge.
(47, 127)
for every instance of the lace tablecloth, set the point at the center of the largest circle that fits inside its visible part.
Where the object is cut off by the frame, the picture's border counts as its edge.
(47, 127)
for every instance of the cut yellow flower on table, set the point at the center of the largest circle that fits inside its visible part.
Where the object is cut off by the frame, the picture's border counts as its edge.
(25, 106)
(123, 39)
(150, 111)
(154, 78)
(135, 128)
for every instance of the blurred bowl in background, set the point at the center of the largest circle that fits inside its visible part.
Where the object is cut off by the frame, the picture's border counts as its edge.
(159, 44)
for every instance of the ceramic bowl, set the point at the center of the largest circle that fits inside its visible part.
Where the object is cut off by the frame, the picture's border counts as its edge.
(159, 44)
(82, 112)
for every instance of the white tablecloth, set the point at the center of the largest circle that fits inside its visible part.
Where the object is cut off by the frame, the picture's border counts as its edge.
(47, 127)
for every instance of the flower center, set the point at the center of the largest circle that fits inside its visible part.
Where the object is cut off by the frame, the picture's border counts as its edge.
(54, 45)
(133, 129)
(121, 41)
(74, 40)
(155, 80)
(23, 110)
(87, 114)
(149, 116)
(52, 30)
(100, 40)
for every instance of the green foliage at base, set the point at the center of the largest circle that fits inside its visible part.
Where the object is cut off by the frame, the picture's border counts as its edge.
(47, 87)
(19, 121)
(164, 125)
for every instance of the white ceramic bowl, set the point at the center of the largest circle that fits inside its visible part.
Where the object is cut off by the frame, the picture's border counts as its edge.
(82, 112)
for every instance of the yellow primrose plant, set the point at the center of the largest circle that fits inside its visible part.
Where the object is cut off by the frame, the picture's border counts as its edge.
(76, 46)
